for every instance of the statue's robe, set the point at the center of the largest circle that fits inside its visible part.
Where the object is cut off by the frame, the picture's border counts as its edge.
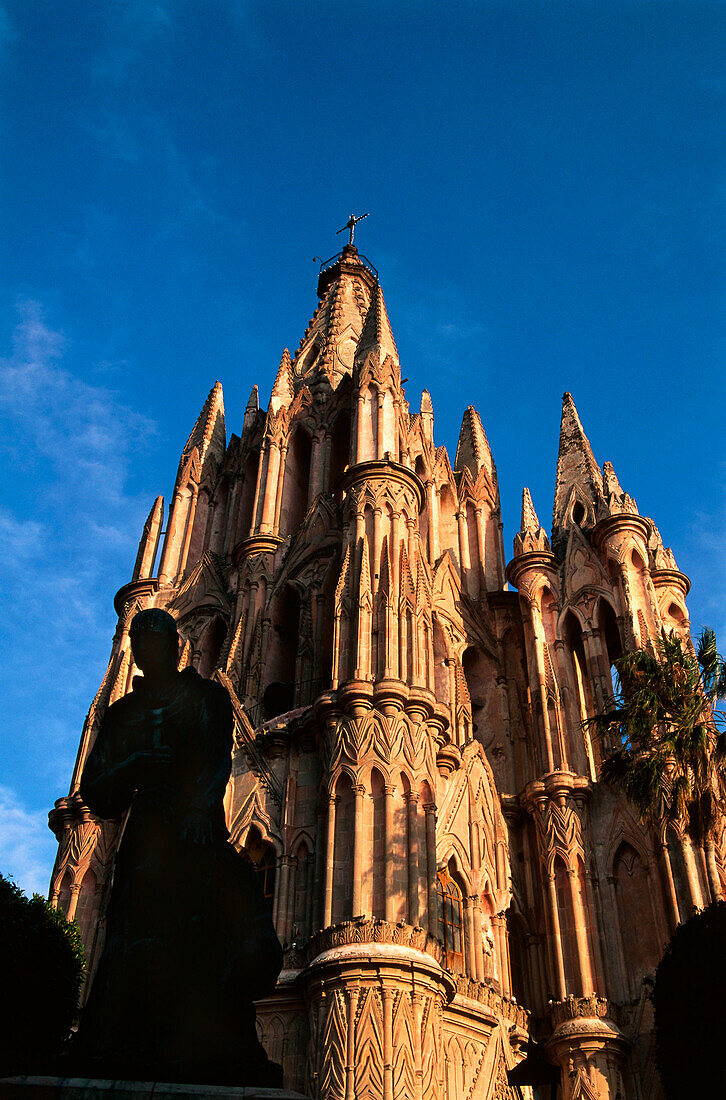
(189, 938)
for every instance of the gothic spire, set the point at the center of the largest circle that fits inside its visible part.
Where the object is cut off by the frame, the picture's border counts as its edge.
(578, 487)
(209, 432)
(531, 536)
(473, 450)
(251, 409)
(328, 345)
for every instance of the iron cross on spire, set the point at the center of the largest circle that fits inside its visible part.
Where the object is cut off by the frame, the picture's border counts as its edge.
(351, 224)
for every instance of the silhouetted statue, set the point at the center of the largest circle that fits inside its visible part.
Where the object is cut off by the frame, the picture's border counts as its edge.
(189, 939)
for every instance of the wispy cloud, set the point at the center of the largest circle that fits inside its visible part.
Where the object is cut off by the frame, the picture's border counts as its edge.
(68, 539)
(133, 26)
(27, 846)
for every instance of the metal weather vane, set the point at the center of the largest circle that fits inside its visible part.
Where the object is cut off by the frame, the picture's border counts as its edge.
(351, 224)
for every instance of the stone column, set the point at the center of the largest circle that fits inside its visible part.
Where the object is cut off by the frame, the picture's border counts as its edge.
(387, 998)
(714, 879)
(319, 870)
(417, 1004)
(694, 885)
(670, 885)
(73, 900)
(280, 485)
(271, 479)
(350, 1044)
(329, 864)
(258, 485)
(481, 545)
(359, 792)
(556, 938)
(388, 792)
(412, 863)
(433, 916)
(478, 946)
(583, 951)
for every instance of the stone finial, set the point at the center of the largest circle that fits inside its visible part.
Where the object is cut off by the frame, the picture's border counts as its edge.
(473, 450)
(577, 471)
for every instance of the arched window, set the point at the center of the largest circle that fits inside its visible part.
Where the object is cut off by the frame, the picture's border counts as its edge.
(639, 939)
(86, 906)
(451, 921)
(578, 513)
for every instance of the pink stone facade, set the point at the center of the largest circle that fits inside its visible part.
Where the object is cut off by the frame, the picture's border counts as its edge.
(411, 772)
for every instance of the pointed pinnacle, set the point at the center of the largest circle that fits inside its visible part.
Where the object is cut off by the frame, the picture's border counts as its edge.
(282, 390)
(254, 402)
(207, 421)
(576, 465)
(473, 449)
(529, 523)
(426, 405)
(610, 480)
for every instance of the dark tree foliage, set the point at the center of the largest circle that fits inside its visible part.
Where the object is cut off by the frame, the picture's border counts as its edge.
(673, 746)
(689, 992)
(41, 969)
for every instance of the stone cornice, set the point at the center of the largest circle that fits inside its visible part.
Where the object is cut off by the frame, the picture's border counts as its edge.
(133, 589)
(620, 523)
(671, 578)
(538, 560)
(383, 469)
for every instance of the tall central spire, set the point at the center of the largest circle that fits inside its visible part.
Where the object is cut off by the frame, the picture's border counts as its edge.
(346, 286)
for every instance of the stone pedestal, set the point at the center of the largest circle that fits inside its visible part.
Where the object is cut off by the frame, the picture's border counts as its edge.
(81, 1088)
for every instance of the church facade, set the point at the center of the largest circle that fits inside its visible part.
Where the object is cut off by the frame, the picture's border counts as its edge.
(412, 775)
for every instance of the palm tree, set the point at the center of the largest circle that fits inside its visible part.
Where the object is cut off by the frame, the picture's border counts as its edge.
(670, 762)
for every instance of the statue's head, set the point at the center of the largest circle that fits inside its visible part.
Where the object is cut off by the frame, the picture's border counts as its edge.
(154, 640)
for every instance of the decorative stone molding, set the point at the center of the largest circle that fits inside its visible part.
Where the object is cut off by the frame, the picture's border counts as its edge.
(374, 930)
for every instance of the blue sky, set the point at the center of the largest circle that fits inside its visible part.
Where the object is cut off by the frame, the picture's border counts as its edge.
(546, 188)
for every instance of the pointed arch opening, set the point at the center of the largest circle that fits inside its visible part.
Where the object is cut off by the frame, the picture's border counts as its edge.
(284, 641)
(586, 705)
(211, 646)
(245, 517)
(344, 840)
(378, 848)
(296, 482)
(264, 859)
(451, 916)
(448, 526)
